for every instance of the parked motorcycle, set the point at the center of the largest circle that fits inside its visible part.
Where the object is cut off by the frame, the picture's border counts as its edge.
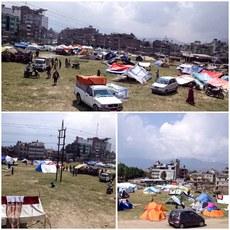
(217, 92)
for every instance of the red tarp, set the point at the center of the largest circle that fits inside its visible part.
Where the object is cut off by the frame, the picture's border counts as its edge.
(212, 74)
(91, 80)
(217, 82)
(119, 67)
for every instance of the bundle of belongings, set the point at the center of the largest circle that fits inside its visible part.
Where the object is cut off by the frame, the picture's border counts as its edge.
(154, 212)
(17, 210)
(124, 204)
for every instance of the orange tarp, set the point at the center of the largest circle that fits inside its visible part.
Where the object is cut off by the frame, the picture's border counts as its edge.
(154, 212)
(120, 67)
(213, 213)
(91, 80)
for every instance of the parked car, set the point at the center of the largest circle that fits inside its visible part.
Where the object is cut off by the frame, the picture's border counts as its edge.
(104, 177)
(165, 85)
(182, 218)
(40, 64)
(98, 97)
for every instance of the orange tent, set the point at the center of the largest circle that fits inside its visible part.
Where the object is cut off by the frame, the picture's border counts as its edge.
(213, 213)
(154, 212)
(91, 80)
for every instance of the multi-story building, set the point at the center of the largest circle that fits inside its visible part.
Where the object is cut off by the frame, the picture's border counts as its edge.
(10, 25)
(89, 149)
(21, 23)
(160, 172)
(31, 151)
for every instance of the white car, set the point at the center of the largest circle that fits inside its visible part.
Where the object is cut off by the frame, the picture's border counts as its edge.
(40, 64)
(104, 177)
(98, 97)
(165, 85)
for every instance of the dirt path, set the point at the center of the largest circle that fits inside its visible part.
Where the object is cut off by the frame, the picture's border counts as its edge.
(210, 223)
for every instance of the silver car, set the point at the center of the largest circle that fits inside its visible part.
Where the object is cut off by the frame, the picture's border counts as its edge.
(165, 85)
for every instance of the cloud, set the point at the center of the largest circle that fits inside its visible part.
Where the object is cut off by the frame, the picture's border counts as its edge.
(199, 136)
(182, 21)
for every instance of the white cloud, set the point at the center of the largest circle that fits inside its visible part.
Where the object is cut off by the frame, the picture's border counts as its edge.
(199, 136)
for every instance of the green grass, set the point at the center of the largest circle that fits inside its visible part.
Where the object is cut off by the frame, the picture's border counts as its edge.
(140, 200)
(78, 202)
(20, 94)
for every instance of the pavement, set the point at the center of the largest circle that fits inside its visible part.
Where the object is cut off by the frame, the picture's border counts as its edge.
(221, 223)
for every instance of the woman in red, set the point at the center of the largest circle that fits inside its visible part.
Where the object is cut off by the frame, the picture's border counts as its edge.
(190, 98)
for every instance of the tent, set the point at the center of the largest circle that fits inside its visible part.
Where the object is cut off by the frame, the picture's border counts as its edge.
(189, 68)
(212, 74)
(128, 187)
(154, 212)
(27, 209)
(46, 167)
(151, 190)
(204, 198)
(174, 200)
(118, 68)
(124, 204)
(146, 65)
(10, 160)
(184, 79)
(139, 73)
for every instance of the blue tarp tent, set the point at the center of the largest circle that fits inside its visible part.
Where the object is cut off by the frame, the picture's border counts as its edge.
(124, 204)
(204, 198)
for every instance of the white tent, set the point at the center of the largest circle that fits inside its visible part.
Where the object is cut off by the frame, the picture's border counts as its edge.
(128, 187)
(138, 73)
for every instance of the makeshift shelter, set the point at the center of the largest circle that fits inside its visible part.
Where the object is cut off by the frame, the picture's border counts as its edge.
(185, 79)
(213, 213)
(151, 190)
(139, 74)
(174, 200)
(212, 74)
(204, 198)
(128, 187)
(154, 212)
(124, 204)
(46, 167)
(119, 91)
(91, 80)
(25, 209)
(146, 65)
(117, 68)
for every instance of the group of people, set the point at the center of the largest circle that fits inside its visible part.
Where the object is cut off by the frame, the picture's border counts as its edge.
(54, 64)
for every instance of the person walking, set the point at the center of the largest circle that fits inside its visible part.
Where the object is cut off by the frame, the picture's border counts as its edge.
(98, 72)
(48, 71)
(190, 99)
(157, 74)
(56, 76)
(60, 64)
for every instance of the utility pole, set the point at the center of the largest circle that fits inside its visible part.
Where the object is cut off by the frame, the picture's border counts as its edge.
(61, 138)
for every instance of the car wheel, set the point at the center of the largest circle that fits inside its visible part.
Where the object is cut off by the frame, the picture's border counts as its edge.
(78, 97)
(181, 226)
(201, 224)
(95, 108)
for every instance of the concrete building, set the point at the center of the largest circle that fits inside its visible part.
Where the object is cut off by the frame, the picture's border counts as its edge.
(160, 172)
(89, 149)
(10, 25)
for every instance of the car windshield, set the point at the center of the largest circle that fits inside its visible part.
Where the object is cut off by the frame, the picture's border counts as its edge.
(39, 62)
(162, 81)
(102, 93)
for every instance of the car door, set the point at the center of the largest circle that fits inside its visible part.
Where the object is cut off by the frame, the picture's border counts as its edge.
(88, 97)
(170, 85)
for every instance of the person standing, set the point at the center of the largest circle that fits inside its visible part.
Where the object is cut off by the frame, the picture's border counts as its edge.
(190, 99)
(56, 76)
(59, 64)
(98, 72)
(157, 74)
(48, 71)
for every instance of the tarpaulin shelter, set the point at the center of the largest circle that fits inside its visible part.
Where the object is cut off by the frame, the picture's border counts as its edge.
(213, 213)
(46, 167)
(204, 197)
(118, 68)
(124, 204)
(128, 187)
(212, 74)
(139, 74)
(91, 80)
(184, 79)
(25, 209)
(154, 212)
(151, 190)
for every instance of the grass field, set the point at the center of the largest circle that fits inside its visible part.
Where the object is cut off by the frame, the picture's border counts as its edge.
(140, 200)
(23, 94)
(78, 202)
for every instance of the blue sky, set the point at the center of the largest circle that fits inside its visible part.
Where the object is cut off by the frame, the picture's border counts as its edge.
(202, 136)
(184, 21)
(44, 127)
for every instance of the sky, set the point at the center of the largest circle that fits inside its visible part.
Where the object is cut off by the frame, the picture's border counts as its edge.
(202, 136)
(44, 127)
(182, 21)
